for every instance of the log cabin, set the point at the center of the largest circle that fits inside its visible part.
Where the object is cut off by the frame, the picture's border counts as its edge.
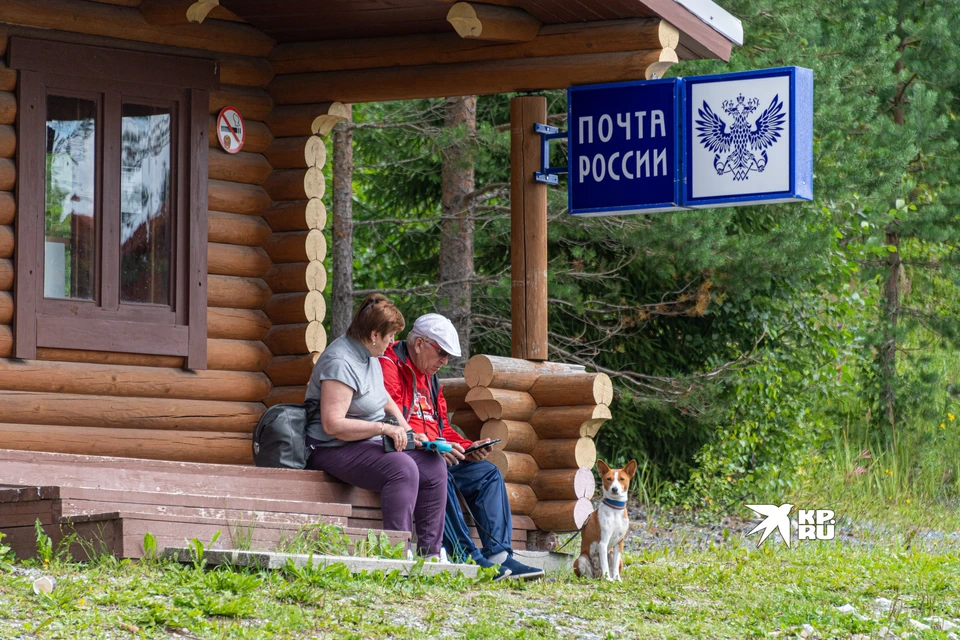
(157, 293)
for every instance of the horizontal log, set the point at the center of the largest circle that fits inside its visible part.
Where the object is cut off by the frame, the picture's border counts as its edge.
(302, 119)
(8, 207)
(292, 308)
(8, 108)
(522, 498)
(236, 197)
(8, 78)
(105, 357)
(470, 78)
(237, 260)
(293, 339)
(566, 454)
(556, 390)
(237, 355)
(6, 307)
(6, 275)
(500, 404)
(492, 23)
(8, 141)
(237, 293)
(6, 341)
(237, 324)
(296, 184)
(316, 245)
(152, 444)
(258, 136)
(112, 380)
(455, 393)
(497, 372)
(564, 484)
(287, 246)
(287, 339)
(316, 337)
(248, 168)
(514, 436)
(581, 38)
(298, 152)
(245, 71)
(127, 23)
(233, 228)
(6, 242)
(288, 278)
(62, 409)
(8, 174)
(468, 422)
(316, 276)
(285, 395)
(569, 422)
(286, 371)
(518, 468)
(171, 12)
(253, 104)
(297, 215)
(561, 515)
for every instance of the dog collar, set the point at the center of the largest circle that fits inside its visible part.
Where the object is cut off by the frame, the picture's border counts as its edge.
(615, 504)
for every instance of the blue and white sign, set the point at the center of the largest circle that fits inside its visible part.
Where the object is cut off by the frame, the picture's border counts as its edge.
(623, 148)
(748, 138)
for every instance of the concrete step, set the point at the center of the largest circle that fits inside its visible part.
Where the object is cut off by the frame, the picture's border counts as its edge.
(266, 560)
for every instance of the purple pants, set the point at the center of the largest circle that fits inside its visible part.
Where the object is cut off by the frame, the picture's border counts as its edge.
(412, 485)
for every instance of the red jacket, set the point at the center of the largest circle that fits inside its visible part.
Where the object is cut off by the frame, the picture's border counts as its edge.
(398, 378)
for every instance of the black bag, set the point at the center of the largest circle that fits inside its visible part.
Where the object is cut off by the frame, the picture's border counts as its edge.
(280, 437)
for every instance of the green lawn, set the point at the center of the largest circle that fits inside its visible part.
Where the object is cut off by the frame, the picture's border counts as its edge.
(732, 591)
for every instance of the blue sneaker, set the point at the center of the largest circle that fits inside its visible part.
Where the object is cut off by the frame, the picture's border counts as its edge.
(520, 570)
(502, 571)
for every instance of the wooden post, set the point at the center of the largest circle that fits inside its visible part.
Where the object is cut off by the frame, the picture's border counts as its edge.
(528, 231)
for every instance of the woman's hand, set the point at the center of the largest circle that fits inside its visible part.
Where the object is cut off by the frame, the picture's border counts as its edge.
(454, 457)
(397, 433)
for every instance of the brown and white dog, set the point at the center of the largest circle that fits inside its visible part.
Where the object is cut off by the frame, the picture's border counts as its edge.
(601, 542)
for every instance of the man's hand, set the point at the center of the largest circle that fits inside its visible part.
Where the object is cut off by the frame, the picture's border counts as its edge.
(454, 457)
(479, 454)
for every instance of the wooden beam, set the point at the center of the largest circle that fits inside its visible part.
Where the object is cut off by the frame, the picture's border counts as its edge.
(528, 232)
(439, 80)
(167, 12)
(127, 23)
(477, 21)
(447, 48)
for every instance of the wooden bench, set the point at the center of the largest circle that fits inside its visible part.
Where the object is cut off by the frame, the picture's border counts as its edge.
(113, 502)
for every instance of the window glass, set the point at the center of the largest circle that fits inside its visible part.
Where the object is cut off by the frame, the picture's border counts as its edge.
(69, 229)
(145, 204)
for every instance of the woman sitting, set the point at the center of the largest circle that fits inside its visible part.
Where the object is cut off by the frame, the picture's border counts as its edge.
(346, 440)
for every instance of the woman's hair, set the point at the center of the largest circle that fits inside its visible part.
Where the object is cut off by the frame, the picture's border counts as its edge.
(378, 314)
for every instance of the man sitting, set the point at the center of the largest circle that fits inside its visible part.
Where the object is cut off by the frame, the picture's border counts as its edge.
(410, 375)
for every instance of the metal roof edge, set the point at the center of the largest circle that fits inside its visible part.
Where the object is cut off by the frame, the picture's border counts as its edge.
(712, 14)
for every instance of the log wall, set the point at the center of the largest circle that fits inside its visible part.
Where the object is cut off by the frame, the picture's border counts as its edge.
(545, 415)
(138, 405)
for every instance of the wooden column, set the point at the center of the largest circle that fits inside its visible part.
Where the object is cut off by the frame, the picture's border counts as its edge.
(528, 231)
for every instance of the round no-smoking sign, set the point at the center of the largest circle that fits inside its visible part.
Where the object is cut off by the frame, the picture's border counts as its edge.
(230, 130)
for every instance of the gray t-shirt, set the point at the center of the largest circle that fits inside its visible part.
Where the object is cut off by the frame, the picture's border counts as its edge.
(348, 361)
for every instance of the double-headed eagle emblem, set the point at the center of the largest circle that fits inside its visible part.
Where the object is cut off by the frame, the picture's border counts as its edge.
(741, 140)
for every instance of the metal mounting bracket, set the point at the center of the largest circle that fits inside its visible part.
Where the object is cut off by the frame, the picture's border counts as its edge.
(547, 173)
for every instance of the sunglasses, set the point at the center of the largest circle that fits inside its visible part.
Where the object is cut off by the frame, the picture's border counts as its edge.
(440, 352)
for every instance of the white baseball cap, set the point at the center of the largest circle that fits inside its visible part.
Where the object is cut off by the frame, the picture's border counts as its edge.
(439, 329)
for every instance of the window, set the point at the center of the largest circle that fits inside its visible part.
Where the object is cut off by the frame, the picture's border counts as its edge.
(112, 184)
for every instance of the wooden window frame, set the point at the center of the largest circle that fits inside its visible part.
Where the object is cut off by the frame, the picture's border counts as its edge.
(181, 84)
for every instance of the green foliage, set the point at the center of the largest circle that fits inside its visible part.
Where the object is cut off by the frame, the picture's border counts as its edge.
(7, 555)
(44, 543)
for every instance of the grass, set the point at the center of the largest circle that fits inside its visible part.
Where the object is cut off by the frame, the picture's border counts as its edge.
(731, 591)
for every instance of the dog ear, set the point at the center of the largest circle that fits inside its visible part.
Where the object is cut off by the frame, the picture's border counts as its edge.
(631, 468)
(602, 467)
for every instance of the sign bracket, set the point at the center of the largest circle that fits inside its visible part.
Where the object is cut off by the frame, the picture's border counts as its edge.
(548, 174)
